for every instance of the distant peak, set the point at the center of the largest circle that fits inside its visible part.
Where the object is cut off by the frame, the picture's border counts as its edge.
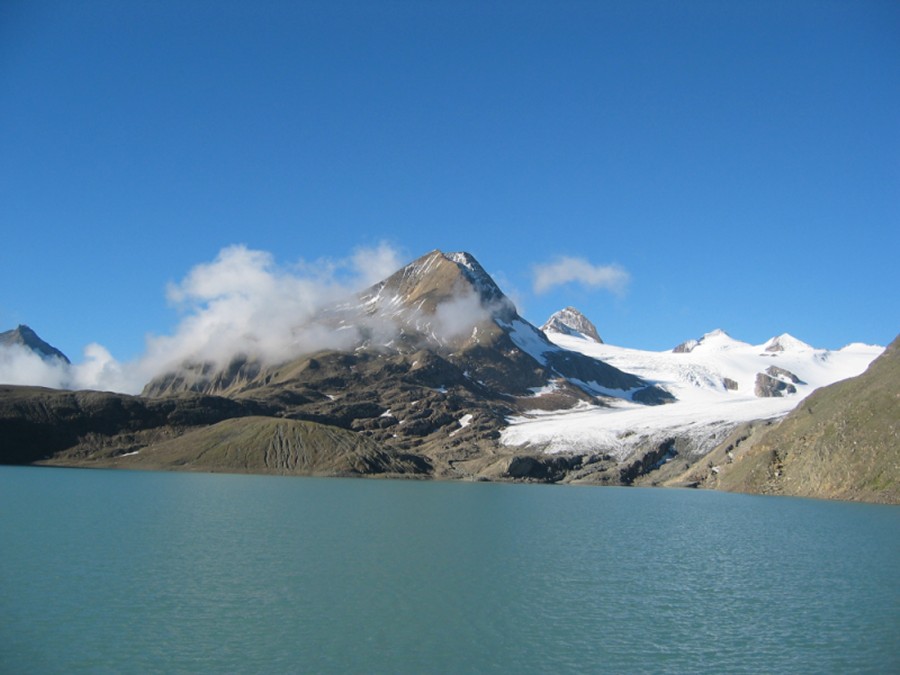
(786, 343)
(715, 339)
(24, 336)
(569, 321)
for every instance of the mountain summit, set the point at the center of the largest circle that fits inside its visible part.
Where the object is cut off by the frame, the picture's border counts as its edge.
(570, 321)
(23, 336)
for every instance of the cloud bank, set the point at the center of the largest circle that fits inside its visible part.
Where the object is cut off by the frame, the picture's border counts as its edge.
(567, 269)
(243, 302)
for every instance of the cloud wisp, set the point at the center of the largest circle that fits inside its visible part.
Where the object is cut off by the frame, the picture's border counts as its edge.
(567, 269)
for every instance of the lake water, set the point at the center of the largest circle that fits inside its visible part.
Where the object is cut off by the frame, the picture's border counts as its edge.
(119, 571)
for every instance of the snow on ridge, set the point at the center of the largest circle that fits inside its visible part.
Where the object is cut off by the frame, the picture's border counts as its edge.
(718, 339)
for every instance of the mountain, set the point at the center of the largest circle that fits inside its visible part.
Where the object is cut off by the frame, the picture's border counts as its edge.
(433, 373)
(570, 321)
(438, 342)
(841, 442)
(440, 320)
(23, 336)
(432, 360)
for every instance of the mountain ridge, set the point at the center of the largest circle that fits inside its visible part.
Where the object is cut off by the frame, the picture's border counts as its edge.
(435, 374)
(448, 304)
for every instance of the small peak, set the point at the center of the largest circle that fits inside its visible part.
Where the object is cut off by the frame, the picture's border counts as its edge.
(786, 343)
(569, 321)
(714, 340)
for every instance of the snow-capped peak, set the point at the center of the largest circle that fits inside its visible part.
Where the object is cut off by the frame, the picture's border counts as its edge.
(786, 343)
(715, 340)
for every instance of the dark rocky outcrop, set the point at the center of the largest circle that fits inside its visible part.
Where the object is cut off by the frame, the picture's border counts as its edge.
(784, 374)
(685, 347)
(767, 386)
(776, 382)
(542, 468)
(646, 462)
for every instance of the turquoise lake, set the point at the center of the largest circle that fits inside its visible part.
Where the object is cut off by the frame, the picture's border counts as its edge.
(121, 571)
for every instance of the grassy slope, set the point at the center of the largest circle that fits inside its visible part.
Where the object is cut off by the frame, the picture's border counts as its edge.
(265, 445)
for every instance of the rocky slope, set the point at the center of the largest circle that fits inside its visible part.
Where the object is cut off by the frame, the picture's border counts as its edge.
(187, 432)
(842, 442)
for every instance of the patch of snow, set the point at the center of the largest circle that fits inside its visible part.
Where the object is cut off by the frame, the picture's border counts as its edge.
(463, 422)
(553, 386)
(530, 340)
(597, 389)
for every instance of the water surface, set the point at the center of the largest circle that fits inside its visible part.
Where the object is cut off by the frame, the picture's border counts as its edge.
(120, 571)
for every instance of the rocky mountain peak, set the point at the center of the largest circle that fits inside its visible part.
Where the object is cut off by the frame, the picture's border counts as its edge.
(452, 288)
(570, 321)
(24, 336)
(437, 278)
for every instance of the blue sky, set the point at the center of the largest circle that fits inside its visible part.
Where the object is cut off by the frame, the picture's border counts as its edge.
(737, 164)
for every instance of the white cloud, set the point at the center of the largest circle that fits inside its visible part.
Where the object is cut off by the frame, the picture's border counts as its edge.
(20, 365)
(456, 316)
(567, 269)
(244, 302)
